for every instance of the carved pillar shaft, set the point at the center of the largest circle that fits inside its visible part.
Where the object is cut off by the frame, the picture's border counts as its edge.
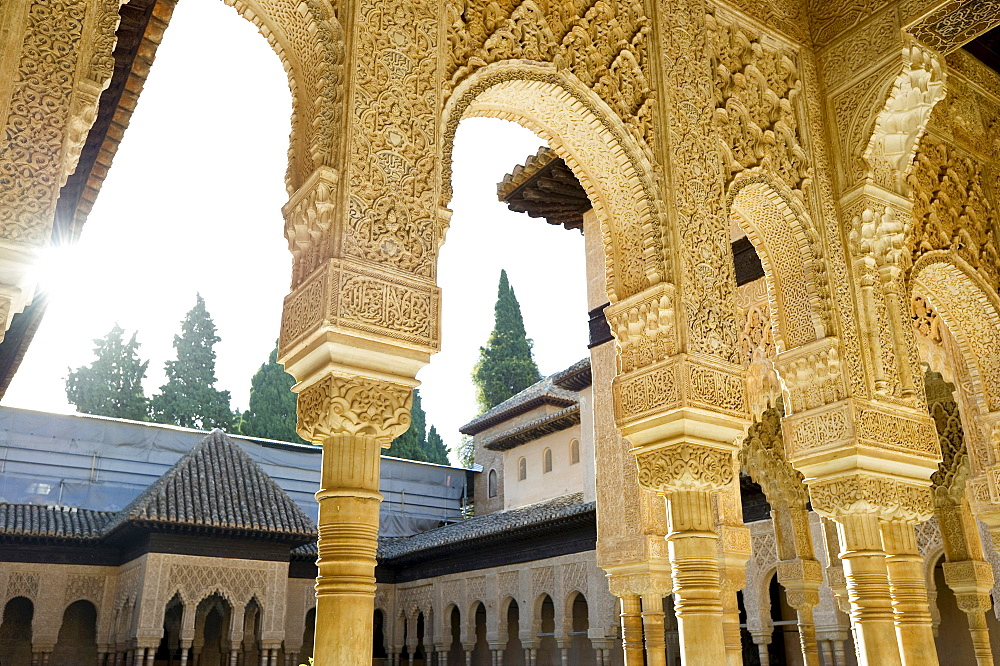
(348, 538)
(980, 638)
(911, 611)
(694, 560)
(652, 625)
(807, 636)
(868, 589)
(631, 614)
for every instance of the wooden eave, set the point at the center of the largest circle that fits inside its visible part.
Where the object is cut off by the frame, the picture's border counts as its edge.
(139, 34)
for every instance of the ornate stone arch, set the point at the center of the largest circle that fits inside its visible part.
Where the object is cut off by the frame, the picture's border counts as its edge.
(898, 127)
(776, 226)
(594, 142)
(971, 312)
(309, 40)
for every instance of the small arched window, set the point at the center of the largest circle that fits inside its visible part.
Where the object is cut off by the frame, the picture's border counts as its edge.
(522, 469)
(547, 461)
(492, 483)
(574, 452)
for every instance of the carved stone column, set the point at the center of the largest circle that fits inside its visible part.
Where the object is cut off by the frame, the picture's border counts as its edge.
(868, 588)
(652, 626)
(631, 614)
(909, 593)
(801, 579)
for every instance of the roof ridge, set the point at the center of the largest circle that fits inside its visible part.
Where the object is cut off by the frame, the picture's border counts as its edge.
(205, 487)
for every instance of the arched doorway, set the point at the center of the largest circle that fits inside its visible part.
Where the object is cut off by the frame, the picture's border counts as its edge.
(379, 654)
(456, 654)
(308, 633)
(580, 650)
(548, 649)
(513, 654)
(212, 636)
(15, 632)
(481, 651)
(169, 652)
(250, 646)
(77, 643)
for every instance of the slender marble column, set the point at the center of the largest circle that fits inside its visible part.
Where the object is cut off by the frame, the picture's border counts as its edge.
(631, 614)
(868, 589)
(652, 626)
(910, 607)
(694, 560)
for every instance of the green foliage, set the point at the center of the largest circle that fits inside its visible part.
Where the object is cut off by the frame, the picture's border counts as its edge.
(416, 443)
(437, 452)
(272, 403)
(189, 398)
(112, 384)
(505, 366)
(466, 452)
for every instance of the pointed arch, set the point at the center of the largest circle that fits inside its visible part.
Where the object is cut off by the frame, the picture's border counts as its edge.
(593, 142)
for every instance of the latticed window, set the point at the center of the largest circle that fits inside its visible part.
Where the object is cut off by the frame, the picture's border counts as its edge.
(547, 461)
(522, 469)
(574, 452)
(492, 484)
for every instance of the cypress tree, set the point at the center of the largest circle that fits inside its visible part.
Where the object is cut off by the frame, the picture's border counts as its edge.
(436, 451)
(189, 398)
(410, 444)
(505, 366)
(112, 384)
(271, 412)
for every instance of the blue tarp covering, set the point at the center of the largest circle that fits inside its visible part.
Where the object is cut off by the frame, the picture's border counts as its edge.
(98, 463)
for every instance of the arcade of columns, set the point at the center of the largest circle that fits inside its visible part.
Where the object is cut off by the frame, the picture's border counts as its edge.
(853, 142)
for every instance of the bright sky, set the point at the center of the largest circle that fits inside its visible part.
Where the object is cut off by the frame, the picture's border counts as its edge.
(193, 204)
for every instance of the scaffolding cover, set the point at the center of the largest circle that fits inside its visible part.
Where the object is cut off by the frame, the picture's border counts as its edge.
(93, 462)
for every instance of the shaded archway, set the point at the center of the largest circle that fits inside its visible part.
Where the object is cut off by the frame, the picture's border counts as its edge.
(954, 643)
(378, 635)
(513, 654)
(77, 643)
(250, 646)
(169, 652)
(456, 653)
(580, 649)
(548, 648)
(15, 632)
(212, 645)
(481, 652)
(308, 633)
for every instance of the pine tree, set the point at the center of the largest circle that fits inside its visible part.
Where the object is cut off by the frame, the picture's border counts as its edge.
(435, 450)
(272, 403)
(112, 384)
(189, 398)
(410, 444)
(505, 366)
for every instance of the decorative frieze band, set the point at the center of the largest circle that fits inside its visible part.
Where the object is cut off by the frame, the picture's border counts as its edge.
(685, 467)
(867, 493)
(680, 380)
(370, 303)
(851, 423)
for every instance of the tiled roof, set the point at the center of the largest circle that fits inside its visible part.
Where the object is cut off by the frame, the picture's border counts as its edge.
(31, 520)
(576, 377)
(532, 430)
(543, 392)
(490, 526)
(217, 486)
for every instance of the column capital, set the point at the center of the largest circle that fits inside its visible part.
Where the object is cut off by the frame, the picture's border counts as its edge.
(859, 493)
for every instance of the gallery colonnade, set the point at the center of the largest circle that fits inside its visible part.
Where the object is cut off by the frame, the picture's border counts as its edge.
(853, 147)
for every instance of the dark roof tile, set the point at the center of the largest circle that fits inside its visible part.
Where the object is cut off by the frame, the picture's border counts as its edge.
(543, 392)
(217, 485)
(60, 522)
